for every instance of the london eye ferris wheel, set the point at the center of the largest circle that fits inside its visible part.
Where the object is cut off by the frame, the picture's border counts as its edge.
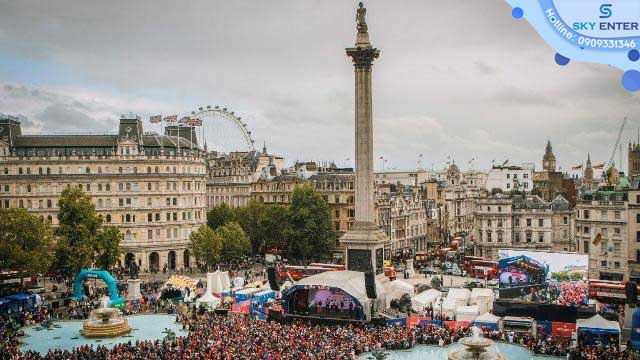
(223, 130)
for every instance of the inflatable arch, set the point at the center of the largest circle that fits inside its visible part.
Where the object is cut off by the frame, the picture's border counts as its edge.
(96, 274)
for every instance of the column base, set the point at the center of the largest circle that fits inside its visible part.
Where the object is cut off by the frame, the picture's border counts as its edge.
(364, 247)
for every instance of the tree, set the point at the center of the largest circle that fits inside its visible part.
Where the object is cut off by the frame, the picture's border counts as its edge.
(235, 242)
(27, 242)
(271, 225)
(107, 247)
(206, 247)
(308, 231)
(248, 217)
(219, 216)
(81, 238)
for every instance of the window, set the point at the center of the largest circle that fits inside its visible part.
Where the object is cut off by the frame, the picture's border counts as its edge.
(499, 208)
(637, 236)
(528, 222)
(616, 215)
(108, 187)
(149, 186)
(516, 222)
(586, 246)
(150, 217)
(120, 202)
(526, 176)
(20, 171)
(149, 202)
(616, 231)
(540, 237)
(565, 234)
(586, 214)
(149, 234)
(529, 236)
(488, 236)
(638, 218)
(336, 225)
(517, 237)
(586, 230)
(499, 236)
(540, 222)
(616, 264)
(603, 263)
(108, 218)
(565, 220)
(337, 212)
(499, 223)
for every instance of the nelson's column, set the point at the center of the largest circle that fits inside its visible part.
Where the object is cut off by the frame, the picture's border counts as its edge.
(364, 242)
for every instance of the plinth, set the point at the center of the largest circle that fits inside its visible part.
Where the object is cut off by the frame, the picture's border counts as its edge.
(133, 289)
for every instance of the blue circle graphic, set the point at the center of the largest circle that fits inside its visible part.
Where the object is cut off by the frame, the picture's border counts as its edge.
(517, 12)
(631, 80)
(561, 60)
(633, 55)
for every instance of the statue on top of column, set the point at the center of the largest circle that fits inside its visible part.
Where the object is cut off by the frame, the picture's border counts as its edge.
(360, 13)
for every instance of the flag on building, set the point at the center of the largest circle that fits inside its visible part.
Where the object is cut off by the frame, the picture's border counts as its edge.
(599, 166)
(505, 162)
(381, 157)
(577, 167)
(172, 118)
(597, 239)
(419, 155)
(184, 120)
(470, 161)
(155, 119)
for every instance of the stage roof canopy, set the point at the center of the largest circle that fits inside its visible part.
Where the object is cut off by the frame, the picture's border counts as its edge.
(352, 282)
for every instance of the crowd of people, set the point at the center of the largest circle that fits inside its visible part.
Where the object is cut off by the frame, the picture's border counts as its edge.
(238, 336)
(567, 293)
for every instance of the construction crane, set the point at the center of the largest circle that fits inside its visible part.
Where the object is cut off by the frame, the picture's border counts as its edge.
(615, 147)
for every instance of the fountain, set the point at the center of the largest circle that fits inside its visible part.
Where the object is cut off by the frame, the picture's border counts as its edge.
(105, 322)
(475, 347)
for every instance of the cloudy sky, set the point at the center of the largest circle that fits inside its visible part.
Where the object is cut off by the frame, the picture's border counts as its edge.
(462, 80)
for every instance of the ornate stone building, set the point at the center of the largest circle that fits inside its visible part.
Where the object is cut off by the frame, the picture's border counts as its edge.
(522, 222)
(152, 187)
(459, 202)
(229, 176)
(602, 219)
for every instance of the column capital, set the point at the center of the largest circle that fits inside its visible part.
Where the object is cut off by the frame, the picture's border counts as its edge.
(363, 56)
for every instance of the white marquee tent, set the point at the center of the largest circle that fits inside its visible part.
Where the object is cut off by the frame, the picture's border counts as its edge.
(425, 298)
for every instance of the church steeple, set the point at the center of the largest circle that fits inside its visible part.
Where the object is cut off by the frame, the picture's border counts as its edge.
(264, 148)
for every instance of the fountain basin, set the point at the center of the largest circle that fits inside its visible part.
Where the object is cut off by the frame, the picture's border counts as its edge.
(105, 322)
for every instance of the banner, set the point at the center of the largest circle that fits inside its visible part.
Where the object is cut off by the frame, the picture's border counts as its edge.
(399, 321)
(563, 329)
(596, 31)
(456, 324)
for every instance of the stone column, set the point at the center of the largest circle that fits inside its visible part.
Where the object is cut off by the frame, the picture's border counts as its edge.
(364, 242)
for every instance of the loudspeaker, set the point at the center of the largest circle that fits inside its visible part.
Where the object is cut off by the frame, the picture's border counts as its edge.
(370, 284)
(273, 278)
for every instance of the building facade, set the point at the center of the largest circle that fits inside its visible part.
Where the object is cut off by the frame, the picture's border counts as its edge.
(509, 178)
(229, 176)
(152, 187)
(521, 222)
(602, 232)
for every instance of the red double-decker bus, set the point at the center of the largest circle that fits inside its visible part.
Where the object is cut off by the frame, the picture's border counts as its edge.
(299, 272)
(466, 265)
(483, 269)
(608, 291)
